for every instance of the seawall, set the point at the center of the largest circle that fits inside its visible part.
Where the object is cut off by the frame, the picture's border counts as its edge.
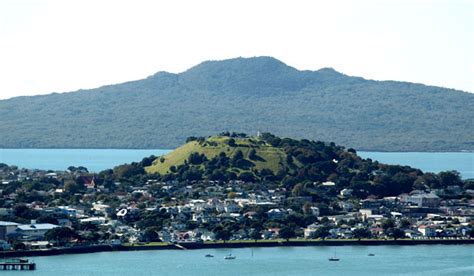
(233, 244)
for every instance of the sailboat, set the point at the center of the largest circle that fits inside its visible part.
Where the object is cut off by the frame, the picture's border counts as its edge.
(229, 257)
(335, 258)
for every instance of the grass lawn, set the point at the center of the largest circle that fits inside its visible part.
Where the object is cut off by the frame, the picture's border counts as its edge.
(269, 157)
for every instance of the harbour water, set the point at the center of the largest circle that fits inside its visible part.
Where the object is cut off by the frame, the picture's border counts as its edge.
(462, 162)
(95, 160)
(100, 159)
(354, 260)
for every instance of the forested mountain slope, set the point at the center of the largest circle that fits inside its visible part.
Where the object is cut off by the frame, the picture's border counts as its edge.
(244, 94)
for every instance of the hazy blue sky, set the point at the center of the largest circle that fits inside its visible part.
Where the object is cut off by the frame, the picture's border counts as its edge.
(57, 46)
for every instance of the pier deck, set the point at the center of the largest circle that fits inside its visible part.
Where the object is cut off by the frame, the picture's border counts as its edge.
(17, 264)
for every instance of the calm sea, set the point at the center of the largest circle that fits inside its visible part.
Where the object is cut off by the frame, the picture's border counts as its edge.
(99, 159)
(436, 162)
(388, 260)
(95, 160)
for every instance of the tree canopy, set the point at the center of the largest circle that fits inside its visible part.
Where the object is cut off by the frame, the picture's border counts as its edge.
(252, 93)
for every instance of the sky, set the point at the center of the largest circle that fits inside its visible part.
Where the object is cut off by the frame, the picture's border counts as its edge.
(65, 45)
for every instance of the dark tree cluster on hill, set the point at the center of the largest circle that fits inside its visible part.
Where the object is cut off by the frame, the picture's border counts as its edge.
(233, 134)
(196, 158)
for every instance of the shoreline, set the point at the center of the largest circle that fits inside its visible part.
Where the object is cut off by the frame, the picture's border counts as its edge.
(173, 148)
(229, 244)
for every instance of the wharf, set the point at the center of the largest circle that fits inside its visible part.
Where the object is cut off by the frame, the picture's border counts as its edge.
(17, 264)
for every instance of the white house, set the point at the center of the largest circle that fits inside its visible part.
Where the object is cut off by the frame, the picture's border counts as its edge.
(94, 220)
(413, 234)
(345, 192)
(365, 213)
(275, 214)
(328, 184)
(427, 230)
(421, 199)
(310, 230)
(100, 207)
(208, 236)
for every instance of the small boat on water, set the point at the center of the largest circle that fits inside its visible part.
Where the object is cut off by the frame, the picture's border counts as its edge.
(335, 258)
(371, 254)
(209, 256)
(229, 257)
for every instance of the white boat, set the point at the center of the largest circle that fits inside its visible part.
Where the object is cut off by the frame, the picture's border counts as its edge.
(334, 259)
(229, 257)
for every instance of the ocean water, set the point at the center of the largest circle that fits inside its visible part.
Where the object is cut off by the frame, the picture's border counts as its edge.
(388, 260)
(99, 159)
(95, 160)
(463, 162)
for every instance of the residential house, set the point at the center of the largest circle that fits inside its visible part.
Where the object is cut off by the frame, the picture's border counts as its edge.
(427, 230)
(270, 233)
(94, 220)
(208, 236)
(346, 206)
(275, 214)
(428, 200)
(165, 236)
(4, 245)
(372, 204)
(310, 230)
(413, 234)
(232, 207)
(314, 210)
(89, 182)
(345, 192)
(34, 231)
(7, 227)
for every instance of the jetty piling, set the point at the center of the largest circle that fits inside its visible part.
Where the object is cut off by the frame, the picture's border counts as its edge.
(17, 264)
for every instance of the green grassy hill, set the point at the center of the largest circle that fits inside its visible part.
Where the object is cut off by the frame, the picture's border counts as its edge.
(299, 167)
(267, 156)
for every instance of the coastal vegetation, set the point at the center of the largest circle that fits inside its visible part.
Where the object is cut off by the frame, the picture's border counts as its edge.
(232, 188)
(293, 164)
(245, 95)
